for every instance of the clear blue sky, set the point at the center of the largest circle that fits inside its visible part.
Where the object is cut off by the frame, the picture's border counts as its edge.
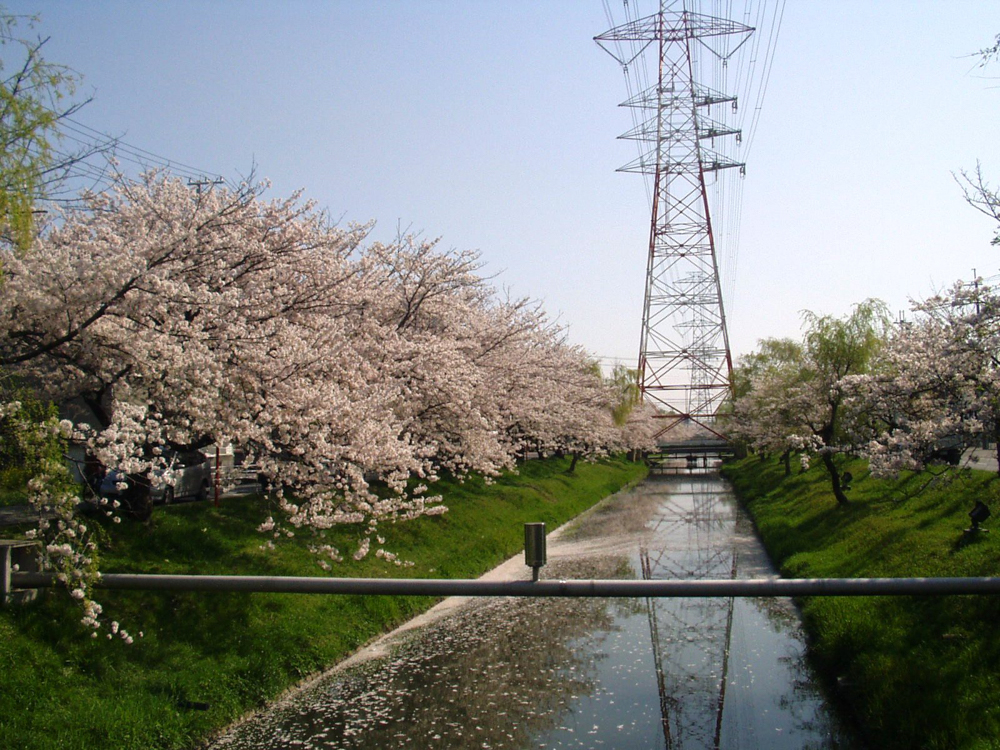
(493, 125)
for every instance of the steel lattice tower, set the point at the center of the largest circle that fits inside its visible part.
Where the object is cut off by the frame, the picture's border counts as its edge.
(684, 357)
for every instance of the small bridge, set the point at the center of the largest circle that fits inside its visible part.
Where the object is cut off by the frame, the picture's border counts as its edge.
(673, 458)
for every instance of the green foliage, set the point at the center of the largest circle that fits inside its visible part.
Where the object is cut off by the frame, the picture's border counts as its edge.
(236, 651)
(15, 454)
(23, 453)
(837, 347)
(773, 356)
(625, 382)
(31, 94)
(917, 672)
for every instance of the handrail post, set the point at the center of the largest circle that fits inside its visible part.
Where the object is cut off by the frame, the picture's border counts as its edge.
(17, 556)
(534, 547)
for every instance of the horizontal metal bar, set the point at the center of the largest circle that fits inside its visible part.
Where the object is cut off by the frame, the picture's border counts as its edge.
(592, 588)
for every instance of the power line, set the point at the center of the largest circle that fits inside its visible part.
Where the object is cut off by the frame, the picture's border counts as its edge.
(696, 198)
(136, 154)
(92, 161)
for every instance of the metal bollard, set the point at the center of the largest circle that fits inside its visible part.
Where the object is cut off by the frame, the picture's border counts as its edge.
(534, 547)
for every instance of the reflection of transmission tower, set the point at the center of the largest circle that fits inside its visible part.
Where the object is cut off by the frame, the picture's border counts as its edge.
(684, 357)
(693, 530)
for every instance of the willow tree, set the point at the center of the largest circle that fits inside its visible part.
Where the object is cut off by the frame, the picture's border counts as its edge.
(790, 396)
(836, 348)
(35, 97)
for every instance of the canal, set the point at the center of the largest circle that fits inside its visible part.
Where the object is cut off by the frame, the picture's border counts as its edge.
(572, 673)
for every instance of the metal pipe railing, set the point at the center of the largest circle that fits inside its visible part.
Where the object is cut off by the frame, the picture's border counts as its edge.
(550, 588)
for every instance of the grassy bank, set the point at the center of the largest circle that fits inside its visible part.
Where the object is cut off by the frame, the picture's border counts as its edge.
(916, 672)
(207, 658)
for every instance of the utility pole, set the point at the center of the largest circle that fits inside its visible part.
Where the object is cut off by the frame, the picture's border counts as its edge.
(205, 182)
(200, 185)
(685, 362)
(975, 280)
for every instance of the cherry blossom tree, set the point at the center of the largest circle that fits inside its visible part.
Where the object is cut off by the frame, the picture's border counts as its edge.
(639, 429)
(937, 380)
(441, 327)
(989, 54)
(186, 318)
(794, 400)
(835, 348)
(771, 399)
(183, 319)
(481, 377)
(981, 196)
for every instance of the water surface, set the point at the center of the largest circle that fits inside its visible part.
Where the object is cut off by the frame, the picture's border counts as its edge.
(562, 673)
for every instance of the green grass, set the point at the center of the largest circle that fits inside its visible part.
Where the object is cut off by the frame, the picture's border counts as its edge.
(61, 689)
(12, 486)
(915, 671)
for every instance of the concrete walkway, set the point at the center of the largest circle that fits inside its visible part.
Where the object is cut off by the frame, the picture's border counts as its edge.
(16, 515)
(980, 458)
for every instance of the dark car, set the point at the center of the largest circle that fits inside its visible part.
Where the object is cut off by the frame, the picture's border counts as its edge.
(190, 472)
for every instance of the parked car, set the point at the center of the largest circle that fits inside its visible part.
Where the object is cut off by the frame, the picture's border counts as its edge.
(192, 478)
(947, 450)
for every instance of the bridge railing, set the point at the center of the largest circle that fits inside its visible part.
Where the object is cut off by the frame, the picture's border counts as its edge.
(18, 580)
(708, 588)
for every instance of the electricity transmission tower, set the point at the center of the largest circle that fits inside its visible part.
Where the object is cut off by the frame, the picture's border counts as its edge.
(684, 357)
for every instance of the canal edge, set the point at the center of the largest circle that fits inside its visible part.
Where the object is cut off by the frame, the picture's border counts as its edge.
(380, 646)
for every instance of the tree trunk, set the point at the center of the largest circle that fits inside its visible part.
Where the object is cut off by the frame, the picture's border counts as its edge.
(572, 465)
(786, 457)
(838, 492)
(996, 437)
(137, 501)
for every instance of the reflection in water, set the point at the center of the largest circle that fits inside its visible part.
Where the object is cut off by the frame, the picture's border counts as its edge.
(496, 676)
(734, 669)
(547, 673)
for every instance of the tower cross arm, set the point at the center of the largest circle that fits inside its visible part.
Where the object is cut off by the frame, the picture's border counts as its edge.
(668, 27)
